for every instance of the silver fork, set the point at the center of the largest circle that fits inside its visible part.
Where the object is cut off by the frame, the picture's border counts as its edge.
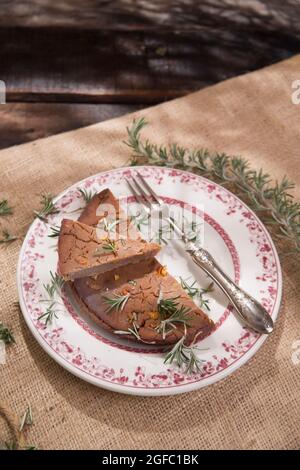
(250, 311)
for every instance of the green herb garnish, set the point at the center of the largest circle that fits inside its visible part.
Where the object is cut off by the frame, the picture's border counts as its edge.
(117, 302)
(7, 237)
(166, 307)
(55, 285)
(196, 292)
(110, 246)
(10, 445)
(5, 209)
(47, 207)
(53, 288)
(140, 219)
(135, 330)
(108, 225)
(27, 419)
(6, 334)
(180, 315)
(182, 355)
(55, 232)
(49, 314)
(86, 194)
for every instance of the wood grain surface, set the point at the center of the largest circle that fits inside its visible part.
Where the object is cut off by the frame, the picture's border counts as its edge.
(23, 122)
(122, 55)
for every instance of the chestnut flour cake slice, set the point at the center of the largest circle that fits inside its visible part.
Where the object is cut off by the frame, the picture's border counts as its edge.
(82, 252)
(126, 299)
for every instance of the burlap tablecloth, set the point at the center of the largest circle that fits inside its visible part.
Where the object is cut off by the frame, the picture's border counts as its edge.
(255, 408)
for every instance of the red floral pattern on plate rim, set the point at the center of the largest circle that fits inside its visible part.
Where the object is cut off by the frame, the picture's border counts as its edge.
(170, 377)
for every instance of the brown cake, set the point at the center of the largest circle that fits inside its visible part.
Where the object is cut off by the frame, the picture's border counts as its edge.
(137, 290)
(126, 300)
(104, 205)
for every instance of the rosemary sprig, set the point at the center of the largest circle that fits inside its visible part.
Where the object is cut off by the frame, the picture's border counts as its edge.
(191, 289)
(166, 307)
(122, 332)
(192, 231)
(27, 419)
(140, 219)
(6, 334)
(273, 201)
(54, 285)
(166, 230)
(182, 355)
(55, 232)
(86, 194)
(10, 445)
(180, 315)
(5, 209)
(203, 301)
(194, 364)
(7, 237)
(53, 288)
(49, 314)
(117, 302)
(47, 207)
(109, 247)
(163, 234)
(196, 292)
(135, 330)
(108, 225)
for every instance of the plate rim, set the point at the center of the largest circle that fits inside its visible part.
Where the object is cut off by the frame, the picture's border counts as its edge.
(140, 391)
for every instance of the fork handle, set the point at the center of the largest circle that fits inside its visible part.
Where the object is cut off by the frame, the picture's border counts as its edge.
(252, 313)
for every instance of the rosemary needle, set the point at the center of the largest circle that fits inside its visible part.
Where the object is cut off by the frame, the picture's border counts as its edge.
(117, 302)
(47, 207)
(27, 418)
(108, 247)
(166, 307)
(7, 237)
(196, 292)
(178, 316)
(86, 194)
(108, 225)
(55, 232)
(182, 355)
(52, 288)
(6, 334)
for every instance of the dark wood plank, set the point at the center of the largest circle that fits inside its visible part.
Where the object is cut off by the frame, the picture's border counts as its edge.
(69, 65)
(24, 122)
(144, 15)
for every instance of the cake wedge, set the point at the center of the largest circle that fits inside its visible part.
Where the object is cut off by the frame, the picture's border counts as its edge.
(83, 252)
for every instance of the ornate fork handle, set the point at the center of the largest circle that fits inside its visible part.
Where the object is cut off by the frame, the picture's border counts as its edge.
(251, 312)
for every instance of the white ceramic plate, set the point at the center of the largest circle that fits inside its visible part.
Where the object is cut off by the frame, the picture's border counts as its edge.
(232, 233)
